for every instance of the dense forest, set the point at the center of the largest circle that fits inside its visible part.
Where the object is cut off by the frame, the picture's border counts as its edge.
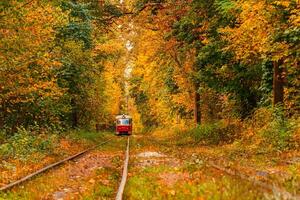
(54, 63)
(223, 64)
(54, 55)
(209, 58)
(63, 63)
(217, 71)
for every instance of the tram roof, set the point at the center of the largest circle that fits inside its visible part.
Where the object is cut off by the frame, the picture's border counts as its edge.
(123, 117)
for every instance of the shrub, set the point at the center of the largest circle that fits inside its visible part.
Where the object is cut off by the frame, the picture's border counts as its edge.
(6, 150)
(24, 143)
(260, 118)
(2, 136)
(215, 133)
(279, 131)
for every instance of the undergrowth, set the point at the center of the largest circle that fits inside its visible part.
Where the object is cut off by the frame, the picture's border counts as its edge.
(279, 131)
(86, 135)
(268, 127)
(215, 133)
(23, 144)
(292, 182)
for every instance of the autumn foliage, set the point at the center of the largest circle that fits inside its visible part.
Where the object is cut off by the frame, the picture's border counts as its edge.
(53, 58)
(215, 60)
(78, 63)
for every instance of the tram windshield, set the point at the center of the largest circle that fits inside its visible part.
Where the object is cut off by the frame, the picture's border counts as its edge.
(123, 121)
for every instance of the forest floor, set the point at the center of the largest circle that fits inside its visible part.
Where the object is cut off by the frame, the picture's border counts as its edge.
(163, 166)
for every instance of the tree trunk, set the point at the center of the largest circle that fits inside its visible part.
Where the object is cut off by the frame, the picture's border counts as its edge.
(197, 110)
(278, 83)
(74, 114)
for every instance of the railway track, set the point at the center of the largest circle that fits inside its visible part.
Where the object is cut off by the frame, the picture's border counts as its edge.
(271, 188)
(283, 194)
(124, 175)
(51, 166)
(277, 191)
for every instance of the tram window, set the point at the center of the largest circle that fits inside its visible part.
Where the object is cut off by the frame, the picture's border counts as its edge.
(123, 121)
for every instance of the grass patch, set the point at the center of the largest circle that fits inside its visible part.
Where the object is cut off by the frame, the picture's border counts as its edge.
(101, 192)
(88, 136)
(193, 166)
(13, 196)
(116, 144)
(156, 169)
(141, 188)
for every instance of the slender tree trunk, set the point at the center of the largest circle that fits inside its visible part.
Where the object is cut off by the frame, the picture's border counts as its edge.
(197, 110)
(278, 83)
(74, 114)
(74, 119)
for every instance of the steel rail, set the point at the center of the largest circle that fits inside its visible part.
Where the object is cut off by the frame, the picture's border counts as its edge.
(124, 175)
(276, 190)
(26, 178)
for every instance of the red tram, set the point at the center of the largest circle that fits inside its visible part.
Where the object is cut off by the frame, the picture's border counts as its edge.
(123, 125)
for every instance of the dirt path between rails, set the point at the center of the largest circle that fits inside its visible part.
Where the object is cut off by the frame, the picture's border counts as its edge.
(86, 174)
